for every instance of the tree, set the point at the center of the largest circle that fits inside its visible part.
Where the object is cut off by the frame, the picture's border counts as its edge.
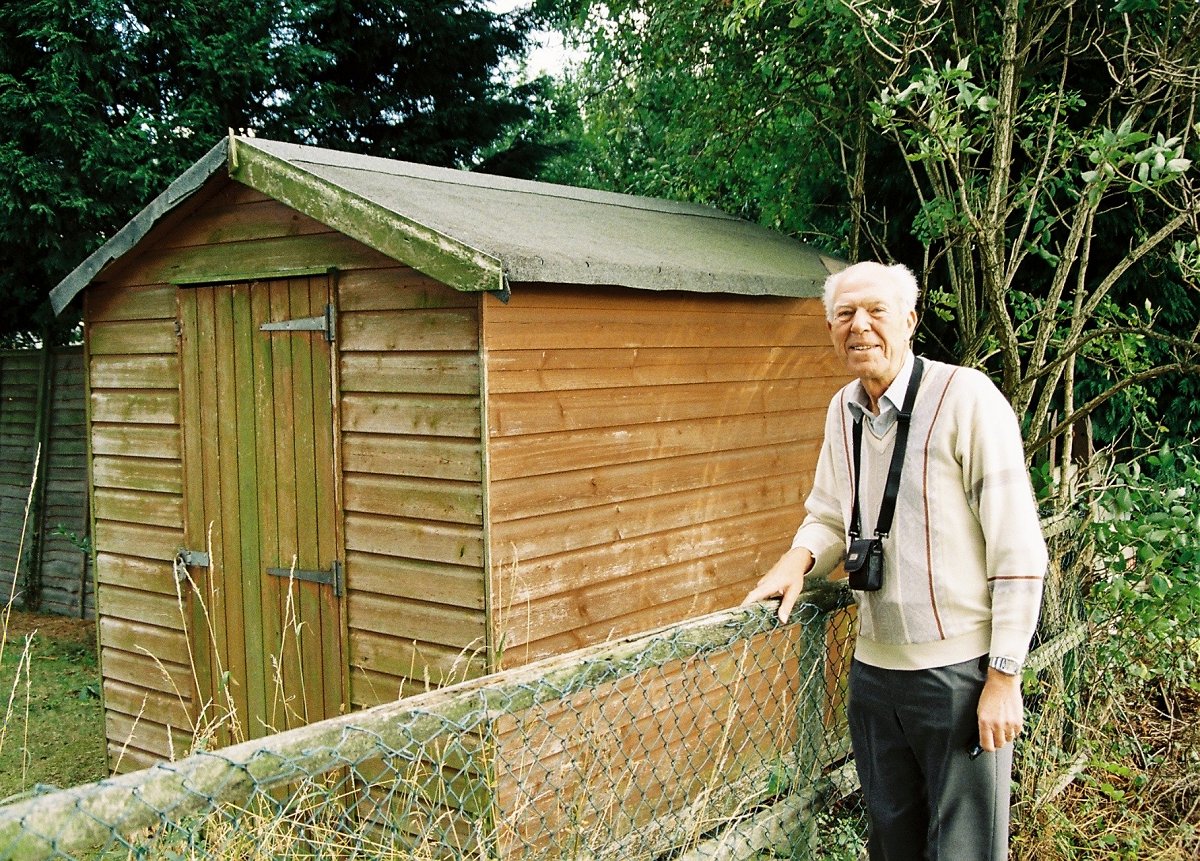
(102, 103)
(1030, 160)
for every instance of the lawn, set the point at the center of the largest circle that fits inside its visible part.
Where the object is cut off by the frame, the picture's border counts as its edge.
(53, 726)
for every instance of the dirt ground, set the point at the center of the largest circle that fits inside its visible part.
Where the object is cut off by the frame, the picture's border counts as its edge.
(51, 627)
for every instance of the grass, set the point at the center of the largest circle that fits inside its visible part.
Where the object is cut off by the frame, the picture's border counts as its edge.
(53, 730)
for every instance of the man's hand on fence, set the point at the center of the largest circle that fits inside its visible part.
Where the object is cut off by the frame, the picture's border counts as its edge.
(785, 579)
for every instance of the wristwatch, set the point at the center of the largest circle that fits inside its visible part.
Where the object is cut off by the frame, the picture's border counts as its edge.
(1006, 665)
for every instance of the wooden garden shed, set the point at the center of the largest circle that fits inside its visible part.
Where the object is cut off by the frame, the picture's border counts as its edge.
(358, 427)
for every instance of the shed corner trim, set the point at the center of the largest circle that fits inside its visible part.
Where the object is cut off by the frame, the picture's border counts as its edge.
(427, 250)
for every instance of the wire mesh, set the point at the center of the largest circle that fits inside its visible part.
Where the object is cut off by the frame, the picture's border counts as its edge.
(720, 737)
(639, 749)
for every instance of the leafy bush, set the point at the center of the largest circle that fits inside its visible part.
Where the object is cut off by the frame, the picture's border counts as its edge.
(1147, 597)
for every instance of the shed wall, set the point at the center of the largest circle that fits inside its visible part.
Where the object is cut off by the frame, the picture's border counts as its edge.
(648, 454)
(410, 459)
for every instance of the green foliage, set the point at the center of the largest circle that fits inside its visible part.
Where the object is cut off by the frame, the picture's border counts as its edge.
(102, 103)
(1148, 597)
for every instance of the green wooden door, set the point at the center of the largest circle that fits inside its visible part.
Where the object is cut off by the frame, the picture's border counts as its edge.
(261, 501)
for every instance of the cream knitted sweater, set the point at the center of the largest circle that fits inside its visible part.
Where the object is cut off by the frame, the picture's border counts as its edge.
(964, 563)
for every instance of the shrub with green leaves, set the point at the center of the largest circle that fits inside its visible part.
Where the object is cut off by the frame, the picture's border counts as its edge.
(1147, 597)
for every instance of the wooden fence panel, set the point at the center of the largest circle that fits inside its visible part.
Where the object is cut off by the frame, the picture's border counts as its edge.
(44, 533)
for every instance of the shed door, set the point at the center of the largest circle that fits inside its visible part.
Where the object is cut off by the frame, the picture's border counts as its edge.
(260, 494)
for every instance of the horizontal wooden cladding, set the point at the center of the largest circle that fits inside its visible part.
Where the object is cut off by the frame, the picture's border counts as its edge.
(546, 412)
(556, 532)
(593, 609)
(434, 415)
(138, 473)
(134, 739)
(455, 458)
(444, 373)
(539, 454)
(458, 544)
(138, 507)
(608, 327)
(132, 337)
(526, 496)
(139, 441)
(140, 670)
(371, 687)
(460, 586)
(136, 406)
(566, 369)
(399, 288)
(155, 643)
(420, 329)
(238, 218)
(410, 620)
(549, 575)
(114, 303)
(253, 259)
(416, 660)
(420, 498)
(586, 302)
(159, 608)
(167, 709)
(135, 372)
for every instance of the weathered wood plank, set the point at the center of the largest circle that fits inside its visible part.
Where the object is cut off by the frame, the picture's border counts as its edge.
(539, 454)
(241, 221)
(138, 669)
(135, 372)
(169, 709)
(573, 328)
(405, 619)
(418, 373)
(434, 415)
(433, 329)
(531, 299)
(277, 257)
(557, 532)
(527, 496)
(135, 539)
(455, 585)
(138, 473)
(168, 645)
(545, 370)
(135, 506)
(133, 337)
(441, 665)
(452, 458)
(397, 289)
(547, 412)
(136, 406)
(131, 732)
(112, 303)
(455, 543)
(419, 498)
(549, 575)
(151, 441)
(651, 597)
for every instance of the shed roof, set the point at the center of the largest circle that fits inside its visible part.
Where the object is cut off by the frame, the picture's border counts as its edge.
(479, 232)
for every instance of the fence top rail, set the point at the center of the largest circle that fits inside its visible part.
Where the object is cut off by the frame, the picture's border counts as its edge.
(78, 817)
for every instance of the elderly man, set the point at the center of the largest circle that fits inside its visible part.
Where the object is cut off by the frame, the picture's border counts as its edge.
(948, 598)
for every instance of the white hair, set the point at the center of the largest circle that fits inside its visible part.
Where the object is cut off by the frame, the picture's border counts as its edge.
(899, 276)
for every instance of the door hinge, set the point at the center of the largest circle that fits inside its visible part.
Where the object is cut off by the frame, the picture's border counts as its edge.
(333, 577)
(325, 323)
(186, 559)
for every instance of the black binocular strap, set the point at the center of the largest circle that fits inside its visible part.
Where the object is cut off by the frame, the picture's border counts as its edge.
(887, 508)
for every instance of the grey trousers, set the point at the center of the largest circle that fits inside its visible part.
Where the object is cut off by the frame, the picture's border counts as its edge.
(927, 800)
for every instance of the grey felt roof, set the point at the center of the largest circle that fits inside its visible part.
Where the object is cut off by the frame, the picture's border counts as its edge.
(479, 232)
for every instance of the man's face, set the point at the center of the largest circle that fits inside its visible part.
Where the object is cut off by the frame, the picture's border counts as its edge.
(870, 330)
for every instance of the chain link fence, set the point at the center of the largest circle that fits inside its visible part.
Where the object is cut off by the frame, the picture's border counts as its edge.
(722, 737)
